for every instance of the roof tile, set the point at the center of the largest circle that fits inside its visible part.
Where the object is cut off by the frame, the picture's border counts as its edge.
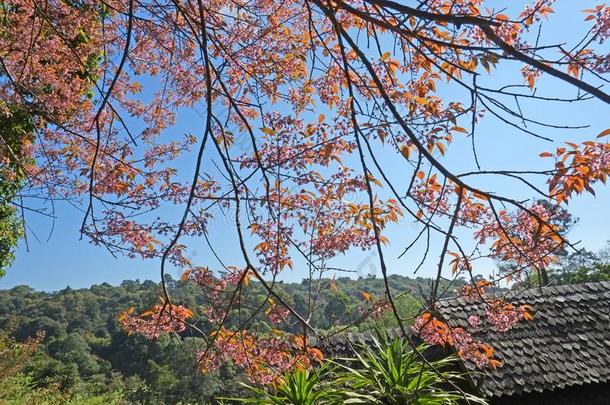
(567, 343)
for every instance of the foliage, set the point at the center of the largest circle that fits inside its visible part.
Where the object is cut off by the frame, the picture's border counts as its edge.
(582, 266)
(299, 387)
(16, 136)
(13, 354)
(597, 272)
(86, 353)
(20, 389)
(51, 91)
(392, 372)
(407, 306)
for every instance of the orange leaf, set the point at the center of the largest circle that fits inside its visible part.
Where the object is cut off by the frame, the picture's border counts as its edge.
(247, 278)
(604, 133)
(489, 351)
(493, 363)
(456, 255)
(393, 65)
(300, 341)
(316, 354)
(441, 148)
(185, 275)
(268, 131)
(367, 297)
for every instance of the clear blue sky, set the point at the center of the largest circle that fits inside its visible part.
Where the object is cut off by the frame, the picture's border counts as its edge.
(66, 260)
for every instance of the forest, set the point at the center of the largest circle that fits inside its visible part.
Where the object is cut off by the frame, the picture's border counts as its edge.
(86, 356)
(86, 352)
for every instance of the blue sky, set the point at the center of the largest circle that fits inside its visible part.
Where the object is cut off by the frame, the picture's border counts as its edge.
(66, 260)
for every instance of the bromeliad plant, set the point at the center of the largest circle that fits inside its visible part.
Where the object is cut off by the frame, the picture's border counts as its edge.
(388, 372)
(391, 372)
(299, 387)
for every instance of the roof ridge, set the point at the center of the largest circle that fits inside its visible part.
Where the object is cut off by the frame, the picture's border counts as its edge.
(539, 291)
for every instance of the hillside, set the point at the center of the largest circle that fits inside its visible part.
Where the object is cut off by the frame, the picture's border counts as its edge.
(85, 351)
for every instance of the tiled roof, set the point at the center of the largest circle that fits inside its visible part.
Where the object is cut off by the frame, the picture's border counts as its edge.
(566, 344)
(343, 344)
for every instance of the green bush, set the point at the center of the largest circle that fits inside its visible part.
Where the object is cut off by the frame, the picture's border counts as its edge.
(20, 390)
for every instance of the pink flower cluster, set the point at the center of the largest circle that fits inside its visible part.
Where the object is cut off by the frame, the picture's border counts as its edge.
(601, 16)
(162, 319)
(436, 332)
(431, 330)
(474, 293)
(264, 359)
(472, 350)
(474, 322)
(503, 316)
(376, 311)
(522, 238)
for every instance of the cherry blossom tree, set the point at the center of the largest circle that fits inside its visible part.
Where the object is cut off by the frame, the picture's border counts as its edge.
(303, 107)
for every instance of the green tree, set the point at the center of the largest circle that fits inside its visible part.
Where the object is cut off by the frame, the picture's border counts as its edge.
(582, 266)
(337, 309)
(16, 134)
